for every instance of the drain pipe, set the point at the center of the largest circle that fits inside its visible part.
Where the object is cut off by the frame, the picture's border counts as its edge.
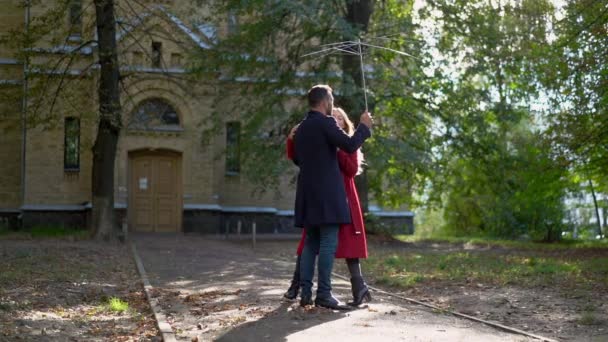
(24, 111)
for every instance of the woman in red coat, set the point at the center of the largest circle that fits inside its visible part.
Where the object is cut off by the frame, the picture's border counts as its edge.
(352, 244)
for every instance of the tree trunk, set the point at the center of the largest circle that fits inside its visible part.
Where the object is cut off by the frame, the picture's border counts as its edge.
(597, 211)
(104, 150)
(605, 214)
(358, 15)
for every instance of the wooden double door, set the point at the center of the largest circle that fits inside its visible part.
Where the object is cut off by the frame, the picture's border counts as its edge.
(155, 191)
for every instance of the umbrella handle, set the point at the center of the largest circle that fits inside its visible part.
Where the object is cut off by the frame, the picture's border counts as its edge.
(362, 75)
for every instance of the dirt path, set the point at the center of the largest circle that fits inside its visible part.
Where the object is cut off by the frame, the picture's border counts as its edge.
(53, 290)
(216, 290)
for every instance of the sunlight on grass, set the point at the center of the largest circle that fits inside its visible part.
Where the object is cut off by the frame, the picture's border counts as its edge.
(482, 241)
(408, 269)
(117, 305)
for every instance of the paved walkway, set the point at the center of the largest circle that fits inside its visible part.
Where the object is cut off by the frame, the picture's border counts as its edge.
(212, 289)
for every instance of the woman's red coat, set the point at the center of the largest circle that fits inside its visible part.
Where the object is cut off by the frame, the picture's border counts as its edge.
(351, 237)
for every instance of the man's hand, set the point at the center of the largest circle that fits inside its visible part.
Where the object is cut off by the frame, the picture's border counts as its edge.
(292, 133)
(367, 120)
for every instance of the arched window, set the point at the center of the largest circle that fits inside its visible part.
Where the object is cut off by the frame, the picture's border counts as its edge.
(154, 115)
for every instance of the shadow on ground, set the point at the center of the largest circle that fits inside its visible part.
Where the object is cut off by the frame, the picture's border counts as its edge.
(212, 289)
(280, 323)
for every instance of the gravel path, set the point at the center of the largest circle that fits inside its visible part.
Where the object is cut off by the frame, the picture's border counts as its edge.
(212, 289)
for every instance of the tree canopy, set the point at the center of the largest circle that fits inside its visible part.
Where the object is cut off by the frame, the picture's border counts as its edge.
(491, 121)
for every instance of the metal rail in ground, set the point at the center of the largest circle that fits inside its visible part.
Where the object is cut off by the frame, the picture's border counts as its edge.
(457, 314)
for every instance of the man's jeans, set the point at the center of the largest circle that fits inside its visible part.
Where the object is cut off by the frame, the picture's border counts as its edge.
(322, 240)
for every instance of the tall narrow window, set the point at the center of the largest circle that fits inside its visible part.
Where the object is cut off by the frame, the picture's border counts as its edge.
(75, 9)
(156, 54)
(233, 140)
(71, 153)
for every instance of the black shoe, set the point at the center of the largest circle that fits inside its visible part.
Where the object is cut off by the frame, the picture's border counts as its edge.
(360, 291)
(305, 300)
(292, 292)
(330, 302)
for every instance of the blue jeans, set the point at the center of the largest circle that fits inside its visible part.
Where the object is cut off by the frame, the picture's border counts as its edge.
(320, 240)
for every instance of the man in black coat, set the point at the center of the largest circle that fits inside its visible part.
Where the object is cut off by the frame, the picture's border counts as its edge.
(321, 205)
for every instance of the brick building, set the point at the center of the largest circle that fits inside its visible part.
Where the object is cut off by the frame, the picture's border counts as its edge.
(167, 179)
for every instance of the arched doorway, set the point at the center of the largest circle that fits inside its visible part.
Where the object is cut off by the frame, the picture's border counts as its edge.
(154, 175)
(155, 191)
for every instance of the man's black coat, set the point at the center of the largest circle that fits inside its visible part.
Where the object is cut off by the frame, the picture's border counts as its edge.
(320, 196)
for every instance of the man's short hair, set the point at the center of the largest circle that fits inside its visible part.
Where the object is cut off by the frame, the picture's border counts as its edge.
(317, 94)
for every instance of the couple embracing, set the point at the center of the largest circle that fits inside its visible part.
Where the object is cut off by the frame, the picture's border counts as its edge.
(325, 147)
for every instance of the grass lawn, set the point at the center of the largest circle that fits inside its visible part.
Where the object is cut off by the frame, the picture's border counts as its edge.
(496, 262)
(44, 232)
(555, 290)
(526, 245)
(408, 269)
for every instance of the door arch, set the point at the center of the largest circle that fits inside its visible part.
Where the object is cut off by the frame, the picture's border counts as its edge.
(155, 191)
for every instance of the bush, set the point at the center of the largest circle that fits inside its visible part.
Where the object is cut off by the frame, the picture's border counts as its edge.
(376, 226)
(516, 190)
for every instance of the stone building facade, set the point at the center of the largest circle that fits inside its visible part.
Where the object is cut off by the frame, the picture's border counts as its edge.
(169, 176)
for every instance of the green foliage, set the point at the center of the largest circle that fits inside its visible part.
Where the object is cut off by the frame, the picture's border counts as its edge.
(264, 69)
(499, 177)
(576, 79)
(455, 130)
(499, 117)
(518, 192)
(428, 222)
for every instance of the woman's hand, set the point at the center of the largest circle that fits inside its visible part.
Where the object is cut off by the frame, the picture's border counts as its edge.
(292, 133)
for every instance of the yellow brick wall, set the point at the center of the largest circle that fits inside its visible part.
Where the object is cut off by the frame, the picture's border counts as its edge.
(47, 181)
(237, 190)
(12, 17)
(204, 178)
(10, 153)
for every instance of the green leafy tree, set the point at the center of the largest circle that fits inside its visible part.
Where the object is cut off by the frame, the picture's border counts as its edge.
(575, 76)
(266, 77)
(492, 153)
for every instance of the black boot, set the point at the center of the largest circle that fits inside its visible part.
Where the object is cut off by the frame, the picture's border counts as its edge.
(330, 302)
(360, 291)
(292, 291)
(306, 300)
(294, 288)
